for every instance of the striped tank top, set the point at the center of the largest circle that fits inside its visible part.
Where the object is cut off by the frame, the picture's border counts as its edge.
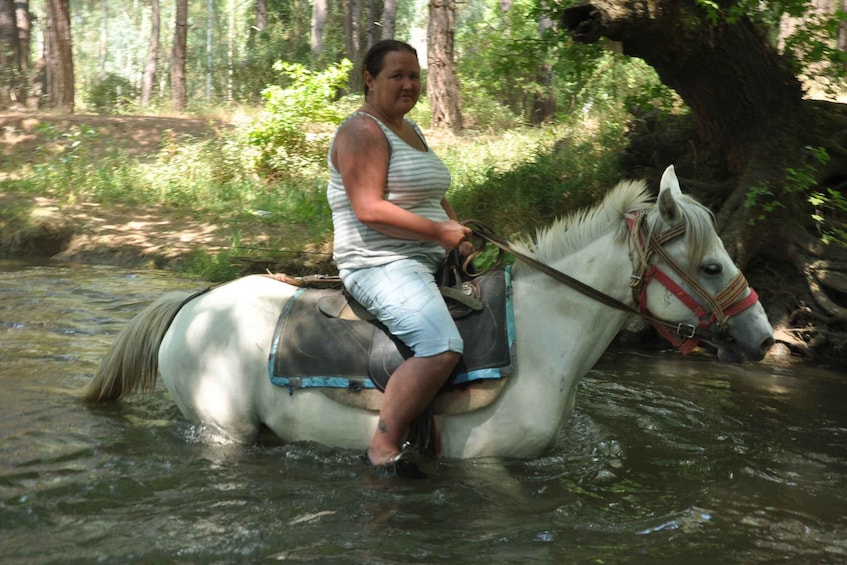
(417, 181)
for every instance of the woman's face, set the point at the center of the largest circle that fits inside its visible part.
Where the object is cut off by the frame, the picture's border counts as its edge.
(396, 88)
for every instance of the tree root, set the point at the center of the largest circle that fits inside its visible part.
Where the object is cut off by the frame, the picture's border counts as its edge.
(820, 274)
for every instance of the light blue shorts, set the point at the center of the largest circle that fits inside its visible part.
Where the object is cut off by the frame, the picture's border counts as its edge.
(403, 296)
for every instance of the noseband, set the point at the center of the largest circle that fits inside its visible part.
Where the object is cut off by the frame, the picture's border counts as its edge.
(718, 309)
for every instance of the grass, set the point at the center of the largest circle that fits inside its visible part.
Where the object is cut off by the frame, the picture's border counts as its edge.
(514, 180)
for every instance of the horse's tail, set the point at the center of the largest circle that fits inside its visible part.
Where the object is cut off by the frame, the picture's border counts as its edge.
(132, 363)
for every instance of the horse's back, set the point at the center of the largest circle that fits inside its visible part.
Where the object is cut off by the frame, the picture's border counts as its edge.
(214, 354)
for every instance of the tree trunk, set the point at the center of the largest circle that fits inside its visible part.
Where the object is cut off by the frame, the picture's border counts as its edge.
(103, 46)
(373, 19)
(749, 136)
(544, 102)
(389, 18)
(22, 18)
(58, 57)
(320, 13)
(734, 81)
(352, 41)
(148, 80)
(442, 82)
(9, 70)
(14, 52)
(261, 15)
(178, 90)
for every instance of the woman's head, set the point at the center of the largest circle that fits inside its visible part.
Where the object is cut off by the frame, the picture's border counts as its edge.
(375, 58)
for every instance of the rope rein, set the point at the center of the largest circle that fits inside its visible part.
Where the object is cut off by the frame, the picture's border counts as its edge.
(505, 245)
(646, 245)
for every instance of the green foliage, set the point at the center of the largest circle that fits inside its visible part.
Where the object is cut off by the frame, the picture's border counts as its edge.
(113, 94)
(830, 215)
(287, 32)
(525, 178)
(66, 167)
(761, 197)
(214, 268)
(813, 48)
(506, 66)
(717, 13)
(622, 83)
(829, 207)
(804, 178)
(800, 180)
(512, 179)
(280, 138)
(488, 39)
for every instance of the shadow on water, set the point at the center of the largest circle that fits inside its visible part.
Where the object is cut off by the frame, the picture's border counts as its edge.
(665, 459)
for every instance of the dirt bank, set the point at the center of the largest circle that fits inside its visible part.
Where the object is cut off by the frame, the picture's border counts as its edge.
(129, 236)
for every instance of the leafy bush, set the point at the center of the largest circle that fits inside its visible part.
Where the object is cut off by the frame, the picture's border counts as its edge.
(281, 137)
(521, 179)
(112, 94)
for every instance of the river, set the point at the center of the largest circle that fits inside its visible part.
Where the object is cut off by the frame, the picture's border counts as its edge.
(665, 460)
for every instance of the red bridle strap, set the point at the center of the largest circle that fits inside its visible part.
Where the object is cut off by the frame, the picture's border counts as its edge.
(727, 303)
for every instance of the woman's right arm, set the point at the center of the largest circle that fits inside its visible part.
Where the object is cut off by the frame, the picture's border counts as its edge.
(361, 153)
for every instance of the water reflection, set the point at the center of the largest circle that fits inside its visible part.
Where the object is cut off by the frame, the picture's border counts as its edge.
(665, 459)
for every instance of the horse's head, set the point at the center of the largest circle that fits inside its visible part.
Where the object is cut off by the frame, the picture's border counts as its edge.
(686, 276)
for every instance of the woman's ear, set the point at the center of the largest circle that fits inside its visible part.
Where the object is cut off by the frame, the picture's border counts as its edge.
(369, 81)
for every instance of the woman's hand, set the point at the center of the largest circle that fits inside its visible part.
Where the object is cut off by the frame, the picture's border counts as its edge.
(452, 234)
(465, 248)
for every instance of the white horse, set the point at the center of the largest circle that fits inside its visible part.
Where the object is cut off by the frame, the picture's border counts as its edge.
(212, 351)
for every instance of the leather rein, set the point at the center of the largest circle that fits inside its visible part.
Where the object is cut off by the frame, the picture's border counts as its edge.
(727, 303)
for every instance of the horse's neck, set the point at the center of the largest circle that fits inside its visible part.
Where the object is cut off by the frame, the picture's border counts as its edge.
(563, 330)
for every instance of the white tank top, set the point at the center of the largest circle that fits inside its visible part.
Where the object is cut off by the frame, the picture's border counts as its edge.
(417, 181)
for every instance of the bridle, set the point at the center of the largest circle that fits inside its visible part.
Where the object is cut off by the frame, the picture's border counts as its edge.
(719, 309)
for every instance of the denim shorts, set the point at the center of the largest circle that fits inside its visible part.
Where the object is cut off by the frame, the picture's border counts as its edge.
(403, 296)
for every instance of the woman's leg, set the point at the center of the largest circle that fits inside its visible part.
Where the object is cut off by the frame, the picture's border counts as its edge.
(409, 390)
(404, 296)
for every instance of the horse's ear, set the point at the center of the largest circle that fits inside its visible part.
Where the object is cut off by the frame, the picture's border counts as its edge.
(669, 191)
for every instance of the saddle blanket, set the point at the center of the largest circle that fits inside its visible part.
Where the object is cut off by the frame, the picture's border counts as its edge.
(314, 346)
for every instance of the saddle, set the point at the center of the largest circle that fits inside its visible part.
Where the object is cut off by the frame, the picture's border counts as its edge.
(325, 339)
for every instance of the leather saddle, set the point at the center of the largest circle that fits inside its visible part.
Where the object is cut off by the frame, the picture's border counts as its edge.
(325, 339)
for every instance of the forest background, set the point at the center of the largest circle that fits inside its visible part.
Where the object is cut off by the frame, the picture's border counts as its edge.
(537, 107)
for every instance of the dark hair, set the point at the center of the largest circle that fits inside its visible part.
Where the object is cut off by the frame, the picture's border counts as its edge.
(375, 57)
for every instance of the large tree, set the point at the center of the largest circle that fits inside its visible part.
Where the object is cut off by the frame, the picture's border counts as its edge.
(352, 40)
(261, 11)
(752, 147)
(149, 77)
(14, 51)
(10, 72)
(179, 96)
(24, 25)
(58, 58)
(389, 18)
(320, 14)
(442, 80)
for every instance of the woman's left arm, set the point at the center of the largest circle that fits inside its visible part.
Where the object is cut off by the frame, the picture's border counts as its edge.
(449, 209)
(466, 247)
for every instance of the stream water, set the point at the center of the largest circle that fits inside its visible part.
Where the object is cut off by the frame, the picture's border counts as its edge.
(665, 460)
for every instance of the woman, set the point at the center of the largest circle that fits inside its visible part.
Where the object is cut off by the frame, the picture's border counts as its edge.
(393, 228)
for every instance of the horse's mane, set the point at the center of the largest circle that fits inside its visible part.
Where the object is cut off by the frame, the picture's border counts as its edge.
(575, 231)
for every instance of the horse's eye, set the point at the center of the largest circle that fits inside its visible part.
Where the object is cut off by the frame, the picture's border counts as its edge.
(712, 269)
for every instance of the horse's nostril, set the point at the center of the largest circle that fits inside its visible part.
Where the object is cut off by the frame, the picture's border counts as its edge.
(767, 344)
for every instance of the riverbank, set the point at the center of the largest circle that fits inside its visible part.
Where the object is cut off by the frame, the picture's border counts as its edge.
(217, 246)
(151, 236)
